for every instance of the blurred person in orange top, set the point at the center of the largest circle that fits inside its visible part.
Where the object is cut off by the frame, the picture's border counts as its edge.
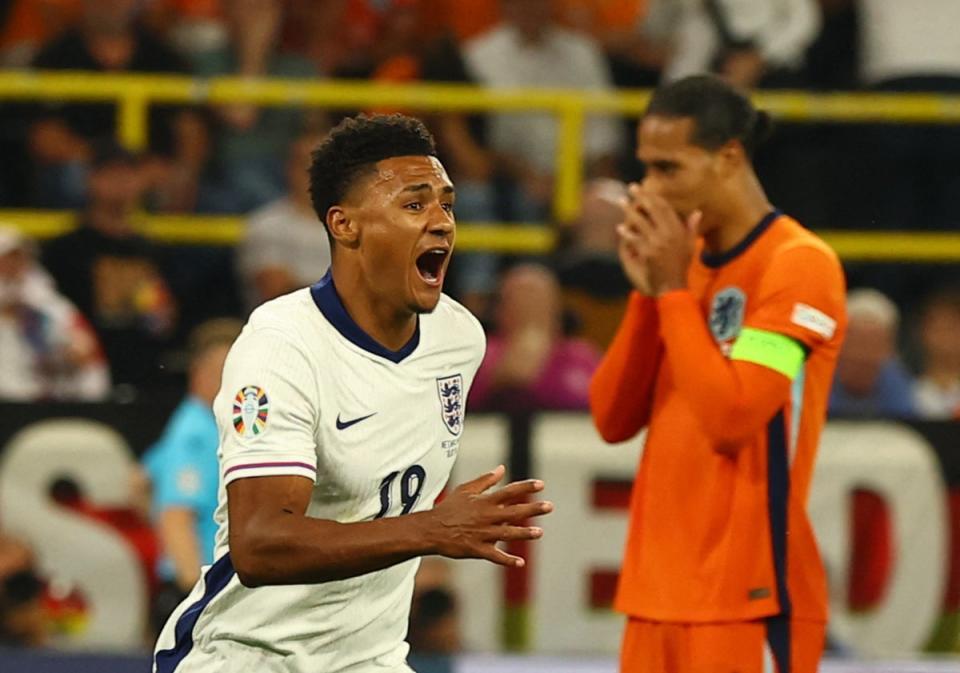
(613, 23)
(338, 36)
(617, 25)
(49, 350)
(631, 32)
(400, 41)
(449, 16)
(601, 19)
(32, 23)
(937, 389)
(725, 355)
(399, 47)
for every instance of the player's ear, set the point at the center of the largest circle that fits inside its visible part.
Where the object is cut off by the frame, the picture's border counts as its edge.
(731, 156)
(342, 227)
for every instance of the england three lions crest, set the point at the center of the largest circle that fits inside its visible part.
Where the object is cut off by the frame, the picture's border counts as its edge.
(450, 390)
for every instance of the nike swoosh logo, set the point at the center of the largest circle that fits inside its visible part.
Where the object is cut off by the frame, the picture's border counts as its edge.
(343, 425)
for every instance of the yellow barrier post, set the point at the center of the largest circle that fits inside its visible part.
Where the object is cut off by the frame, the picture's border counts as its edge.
(133, 117)
(569, 173)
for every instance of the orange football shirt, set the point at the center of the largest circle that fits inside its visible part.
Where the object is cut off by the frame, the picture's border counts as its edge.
(732, 378)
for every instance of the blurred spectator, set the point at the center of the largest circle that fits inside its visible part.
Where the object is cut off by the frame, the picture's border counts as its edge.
(183, 471)
(529, 363)
(448, 16)
(900, 41)
(23, 622)
(32, 23)
(609, 21)
(108, 39)
(913, 173)
(285, 246)
(937, 391)
(338, 36)
(434, 614)
(594, 287)
(399, 42)
(462, 144)
(605, 21)
(434, 627)
(633, 44)
(870, 380)
(811, 169)
(251, 142)
(530, 49)
(49, 350)
(193, 27)
(748, 42)
(832, 57)
(112, 274)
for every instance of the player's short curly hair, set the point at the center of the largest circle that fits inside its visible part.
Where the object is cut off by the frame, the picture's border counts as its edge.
(354, 146)
(720, 112)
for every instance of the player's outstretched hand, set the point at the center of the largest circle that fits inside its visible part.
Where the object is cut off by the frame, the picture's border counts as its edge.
(472, 519)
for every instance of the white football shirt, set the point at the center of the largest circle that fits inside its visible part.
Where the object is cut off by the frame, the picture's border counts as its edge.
(306, 392)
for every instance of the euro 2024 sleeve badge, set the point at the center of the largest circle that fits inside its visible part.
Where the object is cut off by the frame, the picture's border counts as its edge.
(450, 390)
(250, 409)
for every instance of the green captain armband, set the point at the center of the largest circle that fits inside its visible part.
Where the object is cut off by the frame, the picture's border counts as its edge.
(776, 351)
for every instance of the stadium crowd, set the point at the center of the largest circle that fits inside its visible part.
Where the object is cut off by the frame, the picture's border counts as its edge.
(103, 313)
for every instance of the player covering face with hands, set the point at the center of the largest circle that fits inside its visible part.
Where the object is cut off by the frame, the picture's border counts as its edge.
(656, 244)
(725, 355)
(340, 415)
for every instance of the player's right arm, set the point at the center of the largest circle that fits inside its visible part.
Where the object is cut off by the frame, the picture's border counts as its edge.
(272, 541)
(621, 391)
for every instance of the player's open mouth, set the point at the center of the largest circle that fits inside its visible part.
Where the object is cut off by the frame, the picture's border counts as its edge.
(430, 265)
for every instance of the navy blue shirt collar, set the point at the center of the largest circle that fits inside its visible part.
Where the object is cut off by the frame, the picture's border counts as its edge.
(716, 260)
(325, 296)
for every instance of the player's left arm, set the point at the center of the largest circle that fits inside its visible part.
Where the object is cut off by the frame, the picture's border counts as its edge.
(800, 307)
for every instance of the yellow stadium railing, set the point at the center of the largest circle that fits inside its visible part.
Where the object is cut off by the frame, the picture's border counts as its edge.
(228, 230)
(135, 93)
(925, 247)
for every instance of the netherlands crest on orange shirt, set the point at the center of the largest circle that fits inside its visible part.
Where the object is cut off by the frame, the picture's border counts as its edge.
(726, 313)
